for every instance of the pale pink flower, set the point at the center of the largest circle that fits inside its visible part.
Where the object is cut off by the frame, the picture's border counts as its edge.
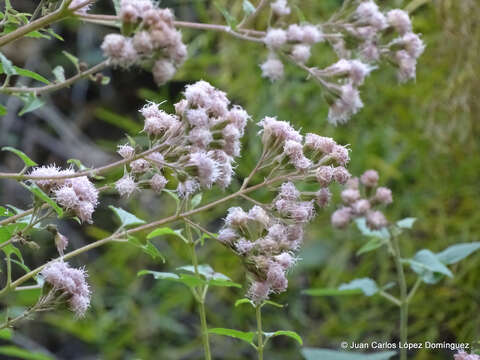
(413, 44)
(376, 220)
(158, 182)
(227, 236)
(400, 20)
(369, 178)
(139, 166)
(324, 175)
(163, 71)
(350, 195)
(236, 217)
(244, 246)
(384, 195)
(320, 143)
(272, 68)
(286, 260)
(301, 53)
(275, 38)
(61, 243)
(341, 217)
(346, 105)
(66, 197)
(361, 207)
(126, 151)
(126, 186)
(341, 175)
(258, 291)
(288, 191)
(280, 7)
(207, 168)
(323, 197)
(188, 187)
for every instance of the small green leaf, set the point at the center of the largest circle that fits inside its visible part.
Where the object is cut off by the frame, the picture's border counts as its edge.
(35, 190)
(166, 231)
(147, 248)
(3, 110)
(196, 200)
(213, 278)
(59, 73)
(74, 60)
(325, 354)
(426, 264)
(188, 280)
(10, 350)
(362, 226)
(457, 252)
(27, 161)
(5, 334)
(5, 212)
(291, 334)
(32, 103)
(7, 66)
(406, 223)
(231, 21)
(31, 74)
(248, 8)
(368, 286)
(53, 33)
(126, 219)
(242, 335)
(105, 80)
(372, 244)
(273, 303)
(244, 301)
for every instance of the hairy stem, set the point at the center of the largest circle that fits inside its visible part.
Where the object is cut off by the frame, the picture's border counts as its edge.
(403, 297)
(258, 311)
(201, 294)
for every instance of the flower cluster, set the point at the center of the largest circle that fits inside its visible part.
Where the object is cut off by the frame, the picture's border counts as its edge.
(198, 144)
(268, 236)
(71, 281)
(155, 43)
(77, 194)
(360, 197)
(367, 30)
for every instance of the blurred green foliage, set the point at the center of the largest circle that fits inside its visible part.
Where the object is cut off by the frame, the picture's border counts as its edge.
(422, 137)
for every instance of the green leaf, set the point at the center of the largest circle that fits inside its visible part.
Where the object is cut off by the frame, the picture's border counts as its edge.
(368, 286)
(126, 219)
(73, 59)
(331, 292)
(457, 252)
(246, 336)
(231, 21)
(5, 334)
(3, 110)
(17, 352)
(291, 334)
(53, 33)
(32, 103)
(362, 226)
(5, 212)
(325, 354)
(59, 73)
(31, 74)
(147, 248)
(27, 161)
(244, 301)
(7, 66)
(196, 200)
(372, 244)
(166, 231)
(406, 223)
(213, 278)
(248, 8)
(185, 279)
(427, 265)
(273, 303)
(105, 80)
(35, 190)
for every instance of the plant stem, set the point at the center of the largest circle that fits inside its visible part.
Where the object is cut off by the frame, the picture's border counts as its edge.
(201, 292)
(56, 86)
(403, 297)
(258, 311)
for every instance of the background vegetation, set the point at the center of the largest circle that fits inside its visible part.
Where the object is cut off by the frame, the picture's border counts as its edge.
(422, 137)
